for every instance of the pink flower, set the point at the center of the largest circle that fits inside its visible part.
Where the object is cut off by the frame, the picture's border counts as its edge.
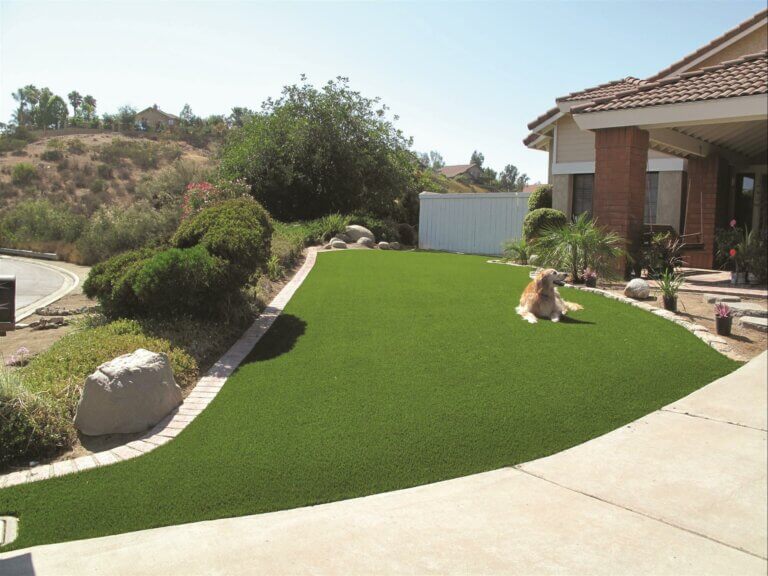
(732, 252)
(733, 223)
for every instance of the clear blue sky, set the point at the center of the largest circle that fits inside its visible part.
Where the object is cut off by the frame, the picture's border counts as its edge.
(461, 76)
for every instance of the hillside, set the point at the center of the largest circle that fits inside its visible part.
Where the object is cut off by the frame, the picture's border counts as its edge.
(453, 186)
(90, 170)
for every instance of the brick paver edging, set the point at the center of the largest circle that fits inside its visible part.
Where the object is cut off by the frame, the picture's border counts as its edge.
(202, 395)
(698, 330)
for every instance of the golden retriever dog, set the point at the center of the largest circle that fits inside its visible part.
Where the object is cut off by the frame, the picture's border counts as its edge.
(541, 299)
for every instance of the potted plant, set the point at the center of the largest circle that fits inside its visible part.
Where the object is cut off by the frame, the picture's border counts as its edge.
(723, 319)
(669, 284)
(590, 278)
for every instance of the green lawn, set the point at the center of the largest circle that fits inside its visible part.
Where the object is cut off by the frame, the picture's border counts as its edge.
(387, 370)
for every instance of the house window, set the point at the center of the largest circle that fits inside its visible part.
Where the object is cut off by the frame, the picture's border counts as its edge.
(583, 184)
(651, 197)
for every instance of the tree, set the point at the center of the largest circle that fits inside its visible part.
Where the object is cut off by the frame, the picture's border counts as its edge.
(75, 99)
(187, 116)
(436, 160)
(315, 151)
(126, 117)
(238, 116)
(477, 159)
(508, 177)
(27, 98)
(522, 182)
(51, 111)
(89, 108)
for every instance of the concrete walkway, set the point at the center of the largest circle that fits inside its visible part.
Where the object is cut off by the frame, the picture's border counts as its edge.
(680, 491)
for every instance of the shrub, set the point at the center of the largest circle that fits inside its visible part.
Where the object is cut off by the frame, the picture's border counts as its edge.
(383, 230)
(180, 282)
(540, 198)
(274, 268)
(109, 282)
(238, 231)
(329, 226)
(200, 195)
(41, 221)
(518, 251)
(23, 173)
(541, 218)
(169, 185)
(76, 146)
(407, 234)
(111, 231)
(103, 171)
(97, 186)
(663, 253)
(52, 155)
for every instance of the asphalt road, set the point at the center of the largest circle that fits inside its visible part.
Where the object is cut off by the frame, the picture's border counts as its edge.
(34, 282)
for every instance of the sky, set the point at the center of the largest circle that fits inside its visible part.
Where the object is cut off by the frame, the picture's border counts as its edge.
(461, 76)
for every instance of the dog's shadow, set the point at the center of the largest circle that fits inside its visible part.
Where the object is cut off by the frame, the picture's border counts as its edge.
(572, 320)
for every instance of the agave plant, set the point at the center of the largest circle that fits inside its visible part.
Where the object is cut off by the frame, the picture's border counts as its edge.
(579, 245)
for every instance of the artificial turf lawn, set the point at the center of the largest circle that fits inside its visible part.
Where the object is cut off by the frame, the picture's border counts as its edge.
(387, 370)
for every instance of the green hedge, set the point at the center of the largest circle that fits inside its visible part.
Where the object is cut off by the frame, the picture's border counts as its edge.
(238, 231)
(540, 198)
(537, 220)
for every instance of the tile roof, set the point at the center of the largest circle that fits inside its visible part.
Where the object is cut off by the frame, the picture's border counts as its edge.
(452, 171)
(744, 76)
(603, 90)
(711, 46)
(546, 116)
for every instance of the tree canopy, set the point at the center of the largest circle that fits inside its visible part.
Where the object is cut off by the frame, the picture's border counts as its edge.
(314, 151)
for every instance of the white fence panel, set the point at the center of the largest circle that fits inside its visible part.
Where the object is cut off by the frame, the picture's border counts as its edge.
(471, 223)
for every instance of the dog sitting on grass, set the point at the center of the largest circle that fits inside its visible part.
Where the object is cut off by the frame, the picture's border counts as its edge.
(541, 299)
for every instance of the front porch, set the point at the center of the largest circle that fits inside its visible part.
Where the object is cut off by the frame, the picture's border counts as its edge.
(723, 142)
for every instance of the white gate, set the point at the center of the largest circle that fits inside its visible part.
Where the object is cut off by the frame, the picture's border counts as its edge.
(471, 223)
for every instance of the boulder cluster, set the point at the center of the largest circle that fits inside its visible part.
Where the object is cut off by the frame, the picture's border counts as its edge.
(359, 236)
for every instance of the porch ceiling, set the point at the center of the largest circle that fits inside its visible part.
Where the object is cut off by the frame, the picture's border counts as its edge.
(748, 139)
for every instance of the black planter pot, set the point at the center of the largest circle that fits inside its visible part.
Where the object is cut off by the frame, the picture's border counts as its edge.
(670, 303)
(591, 282)
(723, 325)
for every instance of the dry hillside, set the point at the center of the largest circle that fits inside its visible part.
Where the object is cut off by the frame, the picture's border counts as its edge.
(90, 170)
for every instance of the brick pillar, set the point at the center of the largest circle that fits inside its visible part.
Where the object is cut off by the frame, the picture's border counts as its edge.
(618, 201)
(701, 210)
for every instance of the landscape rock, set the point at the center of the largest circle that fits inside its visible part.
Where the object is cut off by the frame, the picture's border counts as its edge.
(131, 393)
(754, 323)
(638, 289)
(383, 245)
(336, 243)
(355, 232)
(712, 298)
(394, 245)
(748, 309)
(365, 241)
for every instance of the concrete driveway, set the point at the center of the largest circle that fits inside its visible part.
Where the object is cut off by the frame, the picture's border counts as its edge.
(680, 491)
(37, 283)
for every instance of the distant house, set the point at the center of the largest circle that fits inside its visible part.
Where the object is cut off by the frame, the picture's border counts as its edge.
(529, 188)
(471, 171)
(153, 118)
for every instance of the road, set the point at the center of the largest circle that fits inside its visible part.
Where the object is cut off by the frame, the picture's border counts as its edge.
(36, 282)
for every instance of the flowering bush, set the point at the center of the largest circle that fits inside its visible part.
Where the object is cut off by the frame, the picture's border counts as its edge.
(201, 195)
(589, 274)
(722, 310)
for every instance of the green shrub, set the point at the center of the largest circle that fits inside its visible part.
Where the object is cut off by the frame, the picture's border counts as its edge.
(518, 251)
(407, 234)
(238, 231)
(329, 226)
(23, 173)
(110, 282)
(541, 218)
(76, 146)
(274, 268)
(113, 230)
(97, 186)
(180, 282)
(103, 171)
(52, 155)
(169, 184)
(540, 198)
(144, 154)
(41, 221)
(383, 229)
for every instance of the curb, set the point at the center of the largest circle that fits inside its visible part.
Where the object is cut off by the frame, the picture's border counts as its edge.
(701, 332)
(202, 394)
(30, 309)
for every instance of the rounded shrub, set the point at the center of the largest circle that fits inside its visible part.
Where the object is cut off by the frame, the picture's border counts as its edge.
(407, 234)
(109, 282)
(540, 219)
(238, 231)
(540, 198)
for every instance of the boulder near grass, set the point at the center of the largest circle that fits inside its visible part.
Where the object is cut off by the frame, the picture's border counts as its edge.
(131, 393)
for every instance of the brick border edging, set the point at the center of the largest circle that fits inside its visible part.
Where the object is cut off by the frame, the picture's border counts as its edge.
(202, 394)
(701, 332)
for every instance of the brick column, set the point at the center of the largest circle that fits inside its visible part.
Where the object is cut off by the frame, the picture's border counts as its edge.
(618, 201)
(701, 210)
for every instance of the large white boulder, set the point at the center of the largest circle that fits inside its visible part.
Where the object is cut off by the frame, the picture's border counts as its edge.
(355, 232)
(638, 289)
(131, 393)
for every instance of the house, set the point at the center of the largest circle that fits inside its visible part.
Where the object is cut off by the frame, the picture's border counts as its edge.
(153, 118)
(530, 188)
(470, 171)
(685, 148)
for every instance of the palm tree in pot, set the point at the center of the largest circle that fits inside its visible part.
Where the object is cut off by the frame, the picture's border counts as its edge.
(669, 284)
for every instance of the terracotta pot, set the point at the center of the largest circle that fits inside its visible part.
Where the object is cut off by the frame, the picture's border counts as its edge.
(724, 325)
(670, 303)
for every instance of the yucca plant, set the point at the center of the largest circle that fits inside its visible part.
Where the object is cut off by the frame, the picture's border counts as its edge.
(669, 284)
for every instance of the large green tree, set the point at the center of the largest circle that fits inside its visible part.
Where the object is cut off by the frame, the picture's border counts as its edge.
(314, 151)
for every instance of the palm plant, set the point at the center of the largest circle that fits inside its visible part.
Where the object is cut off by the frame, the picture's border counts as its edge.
(518, 251)
(579, 245)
